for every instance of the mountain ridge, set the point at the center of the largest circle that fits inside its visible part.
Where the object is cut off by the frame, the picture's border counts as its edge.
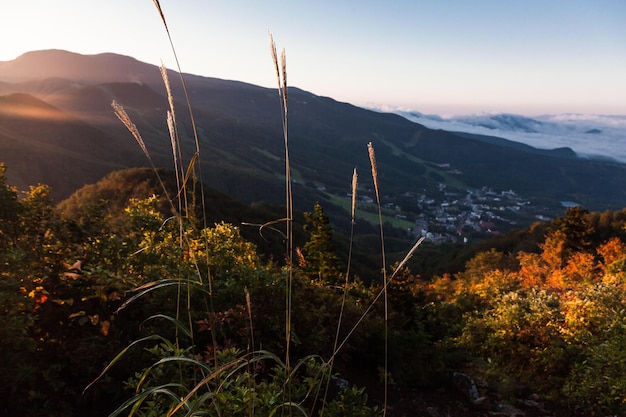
(42, 144)
(239, 132)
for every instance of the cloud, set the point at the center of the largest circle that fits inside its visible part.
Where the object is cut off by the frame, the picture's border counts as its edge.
(591, 136)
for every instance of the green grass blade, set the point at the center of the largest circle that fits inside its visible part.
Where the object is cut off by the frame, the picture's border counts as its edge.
(179, 325)
(138, 399)
(119, 356)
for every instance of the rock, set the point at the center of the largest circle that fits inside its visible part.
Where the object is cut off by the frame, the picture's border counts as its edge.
(336, 385)
(466, 386)
(482, 402)
(432, 412)
(505, 409)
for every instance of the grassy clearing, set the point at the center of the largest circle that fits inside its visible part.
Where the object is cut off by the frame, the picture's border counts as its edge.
(451, 180)
(366, 212)
(266, 154)
(296, 176)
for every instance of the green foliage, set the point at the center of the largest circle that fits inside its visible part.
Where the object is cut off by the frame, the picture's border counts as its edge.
(320, 259)
(235, 384)
(577, 228)
(598, 382)
(556, 321)
(596, 320)
(217, 265)
(51, 322)
(521, 336)
(227, 253)
(550, 317)
(350, 402)
(9, 211)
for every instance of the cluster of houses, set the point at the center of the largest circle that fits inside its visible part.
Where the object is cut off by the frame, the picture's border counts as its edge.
(477, 213)
(442, 215)
(461, 217)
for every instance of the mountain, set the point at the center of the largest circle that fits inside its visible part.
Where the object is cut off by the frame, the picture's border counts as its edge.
(239, 132)
(90, 69)
(42, 144)
(589, 136)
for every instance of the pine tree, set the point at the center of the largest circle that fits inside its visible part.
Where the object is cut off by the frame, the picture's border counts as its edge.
(578, 230)
(319, 252)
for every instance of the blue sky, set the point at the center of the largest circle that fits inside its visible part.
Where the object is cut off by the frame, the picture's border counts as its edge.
(445, 57)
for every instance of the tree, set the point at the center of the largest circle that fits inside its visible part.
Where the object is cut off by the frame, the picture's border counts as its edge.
(612, 251)
(8, 210)
(577, 228)
(483, 263)
(319, 252)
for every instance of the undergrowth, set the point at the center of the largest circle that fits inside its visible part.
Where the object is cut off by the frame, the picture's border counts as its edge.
(208, 362)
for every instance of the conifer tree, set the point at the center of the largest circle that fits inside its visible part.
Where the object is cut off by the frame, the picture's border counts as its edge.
(320, 257)
(577, 228)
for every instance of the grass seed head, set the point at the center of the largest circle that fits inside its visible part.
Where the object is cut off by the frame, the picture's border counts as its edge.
(370, 150)
(354, 188)
(124, 118)
(168, 88)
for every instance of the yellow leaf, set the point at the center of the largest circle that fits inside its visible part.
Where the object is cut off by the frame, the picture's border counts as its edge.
(79, 314)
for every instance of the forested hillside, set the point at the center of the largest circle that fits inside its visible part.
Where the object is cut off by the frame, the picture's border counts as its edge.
(66, 135)
(535, 320)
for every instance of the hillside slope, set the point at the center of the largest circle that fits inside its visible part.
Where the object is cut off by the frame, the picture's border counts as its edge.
(42, 144)
(239, 131)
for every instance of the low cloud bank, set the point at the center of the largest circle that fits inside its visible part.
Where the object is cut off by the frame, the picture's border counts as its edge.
(592, 136)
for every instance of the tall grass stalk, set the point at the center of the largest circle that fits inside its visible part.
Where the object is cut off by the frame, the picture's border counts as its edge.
(221, 372)
(378, 296)
(196, 156)
(281, 77)
(175, 142)
(181, 207)
(125, 119)
(192, 169)
(177, 155)
(349, 263)
(345, 286)
(370, 150)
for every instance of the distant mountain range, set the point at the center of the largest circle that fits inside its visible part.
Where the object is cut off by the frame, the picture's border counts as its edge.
(57, 127)
(591, 136)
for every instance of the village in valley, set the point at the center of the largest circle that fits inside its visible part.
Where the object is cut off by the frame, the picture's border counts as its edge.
(477, 214)
(460, 217)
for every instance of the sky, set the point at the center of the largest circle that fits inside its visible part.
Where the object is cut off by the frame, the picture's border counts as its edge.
(448, 57)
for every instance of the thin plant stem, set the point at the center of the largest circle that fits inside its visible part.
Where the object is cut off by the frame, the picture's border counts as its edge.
(176, 154)
(378, 296)
(192, 167)
(370, 149)
(345, 287)
(281, 78)
(347, 277)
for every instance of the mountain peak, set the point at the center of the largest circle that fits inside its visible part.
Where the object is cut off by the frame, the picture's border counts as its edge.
(21, 105)
(56, 63)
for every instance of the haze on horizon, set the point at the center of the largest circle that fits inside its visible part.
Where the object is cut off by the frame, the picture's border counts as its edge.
(532, 57)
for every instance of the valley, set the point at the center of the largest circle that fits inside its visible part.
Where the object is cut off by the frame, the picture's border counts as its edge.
(494, 295)
(239, 132)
